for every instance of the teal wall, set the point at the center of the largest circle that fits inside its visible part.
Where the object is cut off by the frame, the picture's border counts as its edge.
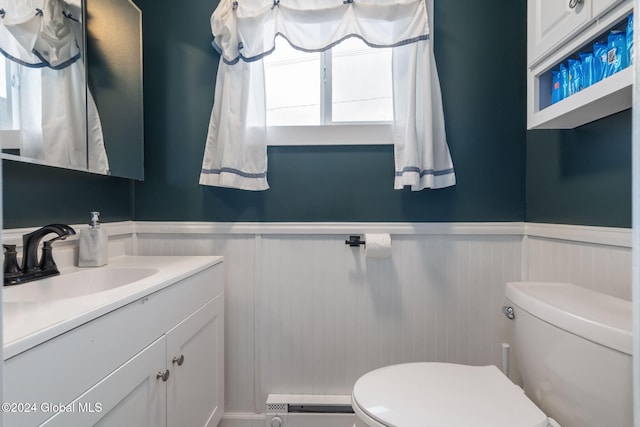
(480, 50)
(38, 195)
(580, 176)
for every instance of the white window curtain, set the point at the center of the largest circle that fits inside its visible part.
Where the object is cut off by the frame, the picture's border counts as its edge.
(45, 38)
(245, 31)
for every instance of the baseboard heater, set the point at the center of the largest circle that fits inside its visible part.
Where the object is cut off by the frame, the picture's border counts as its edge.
(296, 410)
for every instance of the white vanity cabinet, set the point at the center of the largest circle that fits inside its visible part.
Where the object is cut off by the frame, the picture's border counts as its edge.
(558, 30)
(158, 361)
(195, 392)
(131, 395)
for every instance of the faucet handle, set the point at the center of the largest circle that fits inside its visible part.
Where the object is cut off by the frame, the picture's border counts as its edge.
(46, 261)
(11, 267)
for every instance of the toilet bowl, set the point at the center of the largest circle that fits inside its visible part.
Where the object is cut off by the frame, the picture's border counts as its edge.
(444, 395)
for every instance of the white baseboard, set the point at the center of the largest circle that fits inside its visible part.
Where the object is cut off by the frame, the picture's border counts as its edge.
(238, 419)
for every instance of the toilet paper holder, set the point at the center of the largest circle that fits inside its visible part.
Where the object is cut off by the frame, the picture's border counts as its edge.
(354, 241)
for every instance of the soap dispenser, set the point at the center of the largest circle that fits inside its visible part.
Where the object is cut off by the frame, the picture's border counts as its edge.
(93, 244)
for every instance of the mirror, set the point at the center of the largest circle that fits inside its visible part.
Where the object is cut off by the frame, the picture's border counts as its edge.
(71, 94)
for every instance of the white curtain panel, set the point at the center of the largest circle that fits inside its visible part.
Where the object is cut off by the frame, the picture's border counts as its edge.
(245, 31)
(422, 158)
(45, 38)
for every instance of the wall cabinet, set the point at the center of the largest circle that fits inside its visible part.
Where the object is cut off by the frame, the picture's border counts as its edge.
(557, 30)
(173, 376)
(552, 22)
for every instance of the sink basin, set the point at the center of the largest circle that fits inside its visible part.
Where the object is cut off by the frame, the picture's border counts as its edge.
(76, 284)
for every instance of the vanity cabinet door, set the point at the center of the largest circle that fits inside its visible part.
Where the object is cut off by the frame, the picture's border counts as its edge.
(132, 395)
(552, 21)
(195, 357)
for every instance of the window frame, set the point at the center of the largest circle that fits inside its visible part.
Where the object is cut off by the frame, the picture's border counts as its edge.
(330, 133)
(5, 71)
(10, 139)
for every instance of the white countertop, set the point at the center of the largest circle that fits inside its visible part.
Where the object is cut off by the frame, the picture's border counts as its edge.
(27, 324)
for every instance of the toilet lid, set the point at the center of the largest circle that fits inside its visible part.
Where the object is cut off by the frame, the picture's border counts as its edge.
(443, 394)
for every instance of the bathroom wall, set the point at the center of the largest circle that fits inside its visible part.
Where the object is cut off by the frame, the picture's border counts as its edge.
(596, 258)
(581, 176)
(483, 89)
(307, 314)
(35, 195)
(578, 176)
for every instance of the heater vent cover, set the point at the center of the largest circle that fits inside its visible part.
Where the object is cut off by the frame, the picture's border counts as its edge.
(277, 407)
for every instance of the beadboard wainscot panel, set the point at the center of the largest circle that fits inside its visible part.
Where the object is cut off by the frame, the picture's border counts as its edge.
(238, 251)
(329, 314)
(597, 258)
(308, 314)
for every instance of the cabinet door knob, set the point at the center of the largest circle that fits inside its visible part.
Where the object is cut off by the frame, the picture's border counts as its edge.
(574, 3)
(178, 360)
(163, 374)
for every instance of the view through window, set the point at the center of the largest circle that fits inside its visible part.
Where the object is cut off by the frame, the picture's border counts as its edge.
(349, 84)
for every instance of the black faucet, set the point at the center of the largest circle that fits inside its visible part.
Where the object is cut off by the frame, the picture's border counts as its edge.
(32, 268)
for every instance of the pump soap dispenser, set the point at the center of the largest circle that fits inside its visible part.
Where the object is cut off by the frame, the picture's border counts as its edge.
(93, 244)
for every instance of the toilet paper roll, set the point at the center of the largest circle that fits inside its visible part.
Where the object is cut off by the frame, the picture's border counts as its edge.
(377, 245)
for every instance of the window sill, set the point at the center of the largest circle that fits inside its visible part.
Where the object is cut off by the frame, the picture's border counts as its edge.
(348, 134)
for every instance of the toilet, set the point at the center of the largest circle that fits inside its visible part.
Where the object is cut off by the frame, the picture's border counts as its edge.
(573, 349)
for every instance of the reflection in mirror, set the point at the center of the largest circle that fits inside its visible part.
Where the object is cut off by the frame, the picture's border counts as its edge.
(47, 114)
(45, 110)
(114, 58)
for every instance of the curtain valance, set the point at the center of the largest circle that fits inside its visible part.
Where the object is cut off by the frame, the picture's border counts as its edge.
(58, 118)
(246, 30)
(39, 33)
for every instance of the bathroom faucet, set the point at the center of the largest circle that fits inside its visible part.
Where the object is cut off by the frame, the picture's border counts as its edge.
(32, 268)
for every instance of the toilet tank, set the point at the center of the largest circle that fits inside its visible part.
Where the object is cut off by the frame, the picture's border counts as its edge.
(573, 349)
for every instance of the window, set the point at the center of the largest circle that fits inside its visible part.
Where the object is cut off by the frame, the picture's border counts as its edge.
(9, 91)
(3, 78)
(331, 107)
(309, 94)
(9, 106)
(5, 91)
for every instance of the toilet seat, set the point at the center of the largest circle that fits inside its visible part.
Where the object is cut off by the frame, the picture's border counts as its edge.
(443, 395)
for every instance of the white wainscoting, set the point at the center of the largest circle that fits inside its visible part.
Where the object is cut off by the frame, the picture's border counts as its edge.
(240, 301)
(597, 258)
(328, 314)
(307, 314)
